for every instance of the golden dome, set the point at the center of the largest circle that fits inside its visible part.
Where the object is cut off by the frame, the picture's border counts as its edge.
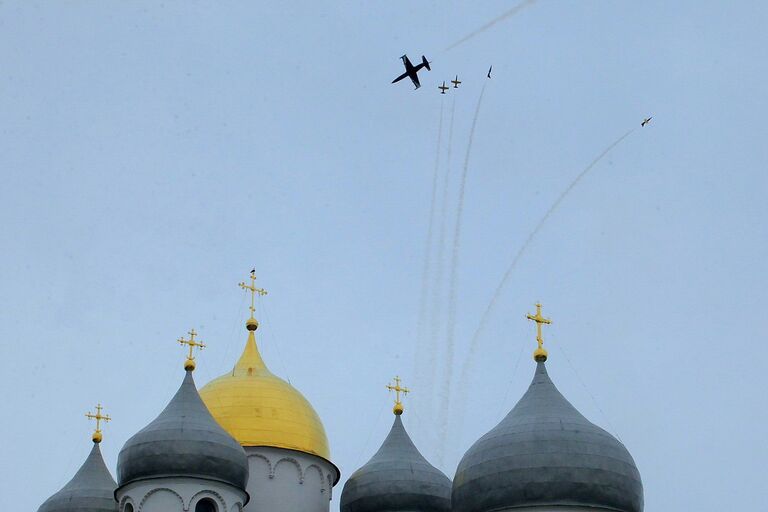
(260, 409)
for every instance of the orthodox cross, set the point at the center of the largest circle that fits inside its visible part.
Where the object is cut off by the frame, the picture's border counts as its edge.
(192, 342)
(253, 290)
(540, 320)
(397, 388)
(99, 418)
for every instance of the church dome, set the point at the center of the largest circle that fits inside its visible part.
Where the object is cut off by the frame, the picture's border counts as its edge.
(544, 453)
(397, 479)
(92, 489)
(258, 408)
(184, 440)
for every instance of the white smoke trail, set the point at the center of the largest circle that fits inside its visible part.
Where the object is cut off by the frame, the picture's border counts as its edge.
(468, 362)
(451, 323)
(498, 19)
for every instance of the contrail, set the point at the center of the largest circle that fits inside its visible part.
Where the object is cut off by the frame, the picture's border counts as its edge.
(426, 270)
(500, 288)
(436, 325)
(451, 323)
(519, 7)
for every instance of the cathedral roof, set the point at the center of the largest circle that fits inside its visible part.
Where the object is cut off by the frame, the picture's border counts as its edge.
(260, 409)
(184, 440)
(397, 479)
(90, 490)
(546, 453)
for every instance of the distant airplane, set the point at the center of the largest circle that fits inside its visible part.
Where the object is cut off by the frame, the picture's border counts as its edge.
(456, 82)
(443, 88)
(646, 121)
(412, 71)
(489, 71)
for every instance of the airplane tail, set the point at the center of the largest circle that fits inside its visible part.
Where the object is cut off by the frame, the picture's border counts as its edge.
(425, 62)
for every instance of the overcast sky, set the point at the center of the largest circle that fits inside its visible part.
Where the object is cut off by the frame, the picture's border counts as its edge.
(152, 153)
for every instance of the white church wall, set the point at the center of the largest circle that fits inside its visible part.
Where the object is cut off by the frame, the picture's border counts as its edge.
(176, 494)
(288, 481)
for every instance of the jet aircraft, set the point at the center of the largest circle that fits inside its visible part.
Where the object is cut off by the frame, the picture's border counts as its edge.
(443, 88)
(456, 82)
(412, 71)
(646, 121)
(489, 71)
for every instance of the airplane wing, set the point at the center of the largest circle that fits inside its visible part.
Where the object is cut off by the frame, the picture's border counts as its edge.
(400, 77)
(415, 80)
(407, 62)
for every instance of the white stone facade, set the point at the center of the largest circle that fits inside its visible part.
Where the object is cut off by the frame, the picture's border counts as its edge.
(288, 481)
(177, 494)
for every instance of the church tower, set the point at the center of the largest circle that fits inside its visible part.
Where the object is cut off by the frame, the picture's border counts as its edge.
(283, 437)
(545, 456)
(92, 488)
(183, 460)
(397, 478)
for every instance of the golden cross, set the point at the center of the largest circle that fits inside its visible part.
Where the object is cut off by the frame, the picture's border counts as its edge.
(397, 388)
(540, 320)
(99, 418)
(254, 291)
(192, 342)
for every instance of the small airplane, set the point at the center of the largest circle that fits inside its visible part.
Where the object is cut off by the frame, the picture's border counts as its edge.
(443, 88)
(646, 121)
(412, 71)
(456, 82)
(489, 71)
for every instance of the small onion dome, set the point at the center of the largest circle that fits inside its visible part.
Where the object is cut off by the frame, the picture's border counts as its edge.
(92, 489)
(397, 479)
(183, 441)
(546, 454)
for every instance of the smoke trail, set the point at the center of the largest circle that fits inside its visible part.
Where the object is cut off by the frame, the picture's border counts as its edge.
(425, 270)
(437, 286)
(451, 324)
(500, 288)
(508, 14)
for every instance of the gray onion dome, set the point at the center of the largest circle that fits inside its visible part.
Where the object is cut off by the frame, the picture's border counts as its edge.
(92, 489)
(397, 479)
(546, 454)
(184, 440)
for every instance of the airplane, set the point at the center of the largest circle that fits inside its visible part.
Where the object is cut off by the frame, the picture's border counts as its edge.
(412, 71)
(489, 71)
(443, 88)
(456, 82)
(646, 121)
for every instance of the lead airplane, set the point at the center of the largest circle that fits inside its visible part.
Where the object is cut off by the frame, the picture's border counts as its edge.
(412, 71)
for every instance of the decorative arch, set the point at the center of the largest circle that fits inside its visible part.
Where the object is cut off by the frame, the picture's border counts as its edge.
(155, 491)
(237, 507)
(207, 493)
(319, 471)
(123, 502)
(292, 461)
(330, 487)
(270, 468)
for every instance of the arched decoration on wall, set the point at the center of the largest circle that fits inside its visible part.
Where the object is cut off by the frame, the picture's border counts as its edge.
(330, 487)
(314, 468)
(123, 506)
(270, 468)
(206, 505)
(237, 507)
(210, 495)
(160, 489)
(295, 463)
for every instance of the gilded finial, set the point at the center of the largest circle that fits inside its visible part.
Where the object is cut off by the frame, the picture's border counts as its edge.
(252, 324)
(539, 355)
(397, 388)
(99, 418)
(189, 364)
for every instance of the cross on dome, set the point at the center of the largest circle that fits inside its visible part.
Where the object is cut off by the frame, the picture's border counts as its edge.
(539, 355)
(397, 388)
(99, 418)
(252, 324)
(189, 364)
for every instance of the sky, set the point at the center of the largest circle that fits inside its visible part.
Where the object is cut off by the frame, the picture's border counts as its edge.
(152, 153)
